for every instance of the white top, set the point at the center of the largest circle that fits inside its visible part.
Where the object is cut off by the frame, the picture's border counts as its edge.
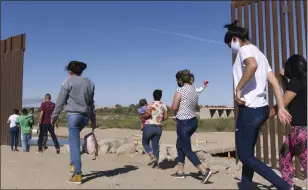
(189, 102)
(254, 92)
(12, 120)
(199, 90)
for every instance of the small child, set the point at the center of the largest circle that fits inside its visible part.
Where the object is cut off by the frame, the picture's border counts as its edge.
(144, 109)
(25, 122)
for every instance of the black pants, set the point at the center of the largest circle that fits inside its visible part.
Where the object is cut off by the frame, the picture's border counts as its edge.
(44, 128)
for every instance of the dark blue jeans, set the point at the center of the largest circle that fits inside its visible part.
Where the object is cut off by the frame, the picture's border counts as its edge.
(76, 122)
(14, 131)
(151, 133)
(184, 130)
(249, 121)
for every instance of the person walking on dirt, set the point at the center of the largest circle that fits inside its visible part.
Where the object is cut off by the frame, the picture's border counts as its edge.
(153, 127)
(77, 94)
(251, 72)
(294, 82)
(184, 106)
(45, 124)
(14, 130)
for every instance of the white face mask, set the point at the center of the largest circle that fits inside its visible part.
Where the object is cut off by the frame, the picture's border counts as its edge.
(235, 46)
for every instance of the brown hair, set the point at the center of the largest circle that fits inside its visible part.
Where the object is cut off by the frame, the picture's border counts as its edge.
(186, 76)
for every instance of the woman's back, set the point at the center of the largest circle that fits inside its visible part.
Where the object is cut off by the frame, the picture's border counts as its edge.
(77, 93)
(188, 104)
(298, 106)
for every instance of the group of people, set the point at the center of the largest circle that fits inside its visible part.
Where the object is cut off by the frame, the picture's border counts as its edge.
(251, 73)
(24, 121)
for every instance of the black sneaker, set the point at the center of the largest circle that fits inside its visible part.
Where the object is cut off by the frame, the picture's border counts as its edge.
(45, 148)
(178, 175)
(206, 176)
(58, 151)
(155, 165)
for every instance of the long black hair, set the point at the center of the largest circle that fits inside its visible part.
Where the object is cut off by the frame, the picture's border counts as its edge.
(236, 31)
(296, 67)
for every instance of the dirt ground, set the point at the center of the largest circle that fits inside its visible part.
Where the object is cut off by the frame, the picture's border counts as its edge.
(50, 171)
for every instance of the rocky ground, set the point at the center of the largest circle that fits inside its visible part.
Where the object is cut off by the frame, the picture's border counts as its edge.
(121, 164)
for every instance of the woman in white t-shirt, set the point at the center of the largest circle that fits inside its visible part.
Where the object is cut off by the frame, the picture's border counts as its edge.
(14, 130)
(251, 71)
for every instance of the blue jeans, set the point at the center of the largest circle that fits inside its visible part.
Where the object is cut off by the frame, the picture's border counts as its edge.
(249, 121)
(151, 133)
(184, 130)
(25, 142)
(14, 131)
(76, 122)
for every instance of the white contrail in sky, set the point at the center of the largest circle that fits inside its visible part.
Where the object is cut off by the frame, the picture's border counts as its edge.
(183, 35)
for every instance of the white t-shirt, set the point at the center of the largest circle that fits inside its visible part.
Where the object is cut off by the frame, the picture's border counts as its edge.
(254, 92)
(12, 120)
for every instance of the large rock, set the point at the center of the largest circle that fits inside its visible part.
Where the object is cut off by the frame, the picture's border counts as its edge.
(140, 149)
(162, 153)
(104, 149)
(204, 156)
(172, 152)
(112, 150)
(126, 149)
(66, 148)
(114, 144)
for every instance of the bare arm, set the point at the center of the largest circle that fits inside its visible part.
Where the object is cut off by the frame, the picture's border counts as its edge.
(251, 68)
(287, 98)
(276, 88)
(145, 115)
(176, 102)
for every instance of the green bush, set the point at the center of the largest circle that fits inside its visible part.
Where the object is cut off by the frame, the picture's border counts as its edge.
(130, 121)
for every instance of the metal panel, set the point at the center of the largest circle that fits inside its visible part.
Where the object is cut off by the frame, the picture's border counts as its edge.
(277, 61)
(280, 50)
(12, 54)
(270, 89)
(261, 47)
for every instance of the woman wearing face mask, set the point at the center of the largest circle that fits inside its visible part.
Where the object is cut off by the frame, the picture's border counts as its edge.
(294, 80)
(251, 71)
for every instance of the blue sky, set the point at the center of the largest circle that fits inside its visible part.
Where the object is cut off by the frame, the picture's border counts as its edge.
(131, 48)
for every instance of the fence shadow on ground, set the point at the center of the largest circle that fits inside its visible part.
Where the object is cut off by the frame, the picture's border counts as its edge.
(109, 173)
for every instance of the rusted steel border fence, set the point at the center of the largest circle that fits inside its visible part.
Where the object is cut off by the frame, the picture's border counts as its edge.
(11, 80)
(271, 26)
